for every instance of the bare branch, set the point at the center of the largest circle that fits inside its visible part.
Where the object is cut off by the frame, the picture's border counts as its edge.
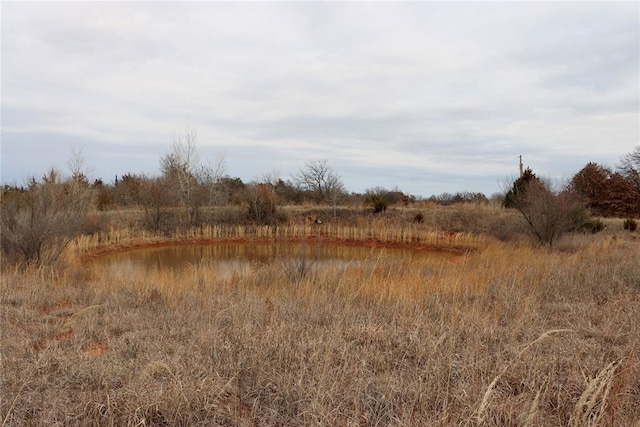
(321, 180)
(629, 167)
(547, 213)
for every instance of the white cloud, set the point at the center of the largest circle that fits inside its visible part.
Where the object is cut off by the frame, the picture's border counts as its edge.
(455, 90)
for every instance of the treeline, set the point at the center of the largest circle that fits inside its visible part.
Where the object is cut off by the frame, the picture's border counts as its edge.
(40, 217)
(608, 193)
(595, 190)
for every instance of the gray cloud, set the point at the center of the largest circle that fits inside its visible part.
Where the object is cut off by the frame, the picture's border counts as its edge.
(423, 95)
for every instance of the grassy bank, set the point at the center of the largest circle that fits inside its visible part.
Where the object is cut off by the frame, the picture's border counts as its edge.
(506, 334)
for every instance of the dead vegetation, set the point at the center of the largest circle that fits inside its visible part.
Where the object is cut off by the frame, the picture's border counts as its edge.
(509, 334)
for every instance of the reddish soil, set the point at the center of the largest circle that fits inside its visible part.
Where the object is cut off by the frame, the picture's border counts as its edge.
(63, 336)
(59, 309)
(372, 243)
(63, 310)
(44, 342)
(94, 349)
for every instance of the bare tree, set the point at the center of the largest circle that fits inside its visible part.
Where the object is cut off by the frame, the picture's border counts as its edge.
(77, 166)
(209, 176)
(39, 221)
(191, 183)
(153, 197)
(319, 178)
(629, 167)
(272, 177)
(548, 214)
(180, 164)
(179, 168)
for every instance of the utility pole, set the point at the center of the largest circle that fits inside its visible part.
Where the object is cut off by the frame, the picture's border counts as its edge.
(521, 170)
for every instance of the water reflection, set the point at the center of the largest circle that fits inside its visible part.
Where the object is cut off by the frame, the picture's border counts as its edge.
(240, 256)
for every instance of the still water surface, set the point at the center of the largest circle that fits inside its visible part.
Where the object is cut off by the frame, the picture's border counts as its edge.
(240, 256)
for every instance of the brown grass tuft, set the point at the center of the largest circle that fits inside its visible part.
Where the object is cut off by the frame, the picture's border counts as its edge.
(474, 337)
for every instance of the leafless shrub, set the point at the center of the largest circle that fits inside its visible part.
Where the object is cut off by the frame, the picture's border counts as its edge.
(629, 167)
(322, 182)
(190, 183)
(39, 221)
(630, 224)
(156, 204)
(262, 203)
(298, 268)
(548, 214)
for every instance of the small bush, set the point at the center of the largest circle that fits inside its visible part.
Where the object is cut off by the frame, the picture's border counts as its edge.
(262, 204)
(630, 224)
(380, 203)
(39, 221)
(378, 198)
(593, 226)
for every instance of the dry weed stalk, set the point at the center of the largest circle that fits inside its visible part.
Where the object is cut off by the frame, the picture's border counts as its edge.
(67, 325)
(590, 407)
(533, 409)
(487, 395)
(30, 375)
(379, 340)
(384, 233)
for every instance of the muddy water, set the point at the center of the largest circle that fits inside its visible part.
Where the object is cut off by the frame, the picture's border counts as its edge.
(241, 256)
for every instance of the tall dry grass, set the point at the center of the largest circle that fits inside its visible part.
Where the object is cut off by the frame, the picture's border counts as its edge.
(503, 335)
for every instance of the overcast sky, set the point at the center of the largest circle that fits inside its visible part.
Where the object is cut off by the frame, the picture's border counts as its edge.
(431, 97)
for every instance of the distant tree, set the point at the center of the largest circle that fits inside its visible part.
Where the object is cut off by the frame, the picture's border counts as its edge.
(178, 168)
(288, 192)
(623, 197)
(606, 193)
(229, 190)
(548, 214)
(155, 201)
(104, 194)
(209, 175)
(396, 197)
(321, 181)
(77, 168)
(126, 190)
(262, 203)
(377, 197)
(519, 187)
(629, 167)
(496, 199)
(37, 223)
(471, 197)
(191, 183)
(459, 197)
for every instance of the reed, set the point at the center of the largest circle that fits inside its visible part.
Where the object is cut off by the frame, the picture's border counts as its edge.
(373, 233)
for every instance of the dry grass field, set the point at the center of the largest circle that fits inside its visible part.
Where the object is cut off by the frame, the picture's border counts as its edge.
(505, 333)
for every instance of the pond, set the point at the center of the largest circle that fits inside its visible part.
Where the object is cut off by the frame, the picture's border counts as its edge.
(241, 256)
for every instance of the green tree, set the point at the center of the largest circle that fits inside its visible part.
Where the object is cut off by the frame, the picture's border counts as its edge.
(377, 197)
(519, 188)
